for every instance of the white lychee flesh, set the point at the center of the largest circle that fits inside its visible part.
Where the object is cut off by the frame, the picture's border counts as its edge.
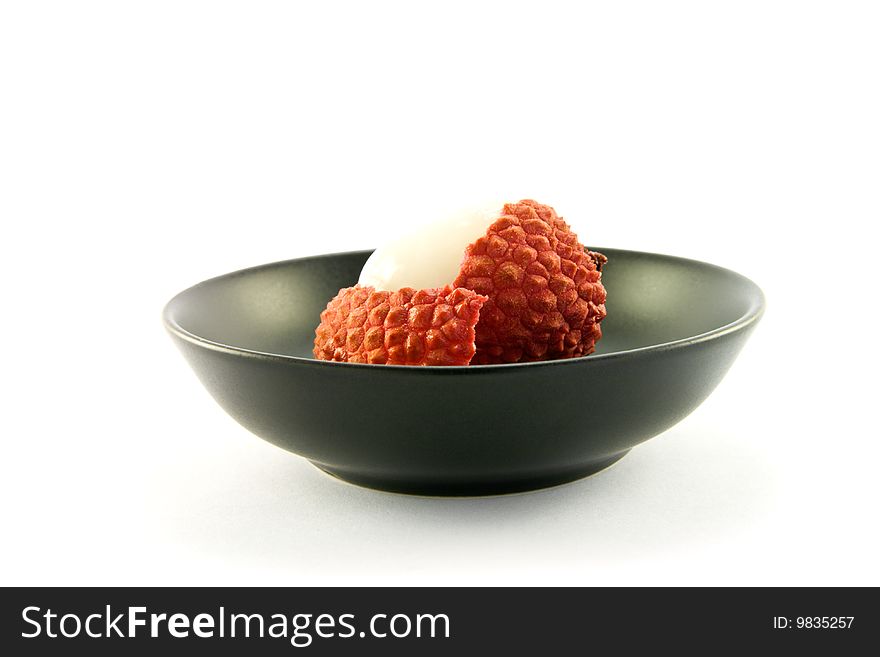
(428, 254)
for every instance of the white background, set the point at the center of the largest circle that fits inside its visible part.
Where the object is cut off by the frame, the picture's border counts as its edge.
(147, 146)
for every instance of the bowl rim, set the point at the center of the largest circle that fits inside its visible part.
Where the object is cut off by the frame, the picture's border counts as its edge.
(752, 315)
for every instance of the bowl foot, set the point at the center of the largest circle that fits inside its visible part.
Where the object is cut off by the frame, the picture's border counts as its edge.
(470, 487)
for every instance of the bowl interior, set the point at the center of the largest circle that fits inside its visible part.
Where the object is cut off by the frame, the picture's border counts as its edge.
(652, 299)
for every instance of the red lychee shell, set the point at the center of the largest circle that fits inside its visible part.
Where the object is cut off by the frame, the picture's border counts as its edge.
(407, 327)
(545, 296)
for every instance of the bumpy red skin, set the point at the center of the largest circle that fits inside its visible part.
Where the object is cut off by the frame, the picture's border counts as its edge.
(407, 327)
(545, 296)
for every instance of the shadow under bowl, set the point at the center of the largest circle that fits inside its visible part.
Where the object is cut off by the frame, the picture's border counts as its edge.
(673, 329)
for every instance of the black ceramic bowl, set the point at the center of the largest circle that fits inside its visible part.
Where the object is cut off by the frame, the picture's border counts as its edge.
(674, 327)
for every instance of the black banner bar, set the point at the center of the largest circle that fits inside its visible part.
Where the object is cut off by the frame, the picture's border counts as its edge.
(436, 621)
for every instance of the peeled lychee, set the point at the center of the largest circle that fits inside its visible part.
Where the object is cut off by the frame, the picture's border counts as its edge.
(524, 289)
